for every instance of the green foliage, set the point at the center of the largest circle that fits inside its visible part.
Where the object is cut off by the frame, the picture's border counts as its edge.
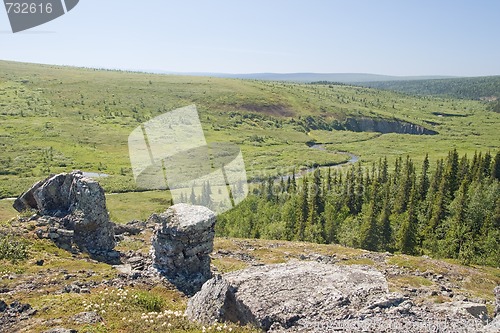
(399, 211)
(466, 88)
(13, 248)
(149, 302)
(56, 119)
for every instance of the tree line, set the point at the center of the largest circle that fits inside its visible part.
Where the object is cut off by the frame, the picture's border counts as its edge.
(463, 88)
(451, 211)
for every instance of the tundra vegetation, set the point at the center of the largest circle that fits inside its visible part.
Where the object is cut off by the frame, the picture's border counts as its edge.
(409, 194)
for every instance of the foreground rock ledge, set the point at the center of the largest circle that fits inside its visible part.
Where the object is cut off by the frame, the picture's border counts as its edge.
(317, 297)
(282, 294)
(181, 245)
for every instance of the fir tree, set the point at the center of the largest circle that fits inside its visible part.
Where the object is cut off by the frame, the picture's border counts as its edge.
(384, 222)
(383, 171)
(407, 235)
(192, 198)
(458, 232)
(424, 179)
(369, 232)
(303, 210)
(495, 168)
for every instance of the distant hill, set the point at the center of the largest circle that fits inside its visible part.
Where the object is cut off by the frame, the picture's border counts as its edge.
(311, 77)
(475, 88)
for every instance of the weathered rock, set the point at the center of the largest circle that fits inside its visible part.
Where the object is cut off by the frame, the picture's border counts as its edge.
(74, 209)
(286, 293)
(137, 263)
(380, 125)
(87, 318)
(216, 300)
(3, 306)
(131, 228)
(476, 310)
(13, 314)
(493, 327)
(317, 297)
(61, 330)
(181, 244)
(496, 291)
(27, 200)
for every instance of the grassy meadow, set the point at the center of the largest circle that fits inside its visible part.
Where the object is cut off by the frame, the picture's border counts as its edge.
(55, 119)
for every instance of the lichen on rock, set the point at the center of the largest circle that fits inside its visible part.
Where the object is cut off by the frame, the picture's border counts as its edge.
(181, 245)
(73, 212)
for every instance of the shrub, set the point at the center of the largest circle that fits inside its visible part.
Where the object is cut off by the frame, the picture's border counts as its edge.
(13, 249)
(149, 302)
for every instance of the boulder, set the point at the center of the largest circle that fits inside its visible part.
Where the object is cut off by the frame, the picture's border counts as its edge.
(280, 295)
(215, 301)
(14, 313)
(131, 228)
(476, 310)
(305, 296)
(87, 318)
(27, 200)
(496, 291)
(181, 244)
(74, 211)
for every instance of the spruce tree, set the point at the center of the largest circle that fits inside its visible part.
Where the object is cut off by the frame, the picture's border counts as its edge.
(369, 232)
(495, 167)
(192, 198)
(407, 235)
(458, 232)
(384, 171)
(424, 179)
(384, 223)
(314, 225)
(302, 210)
(404, 186)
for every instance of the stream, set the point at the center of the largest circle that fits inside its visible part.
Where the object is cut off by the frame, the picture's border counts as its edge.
(352, 159)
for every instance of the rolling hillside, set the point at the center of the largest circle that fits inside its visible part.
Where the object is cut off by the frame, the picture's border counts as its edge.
(475, 88)
(56, 119)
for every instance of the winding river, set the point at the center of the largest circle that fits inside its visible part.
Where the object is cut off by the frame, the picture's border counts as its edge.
(352, 159)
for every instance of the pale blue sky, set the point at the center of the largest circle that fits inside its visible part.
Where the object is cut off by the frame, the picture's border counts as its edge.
(393, 37)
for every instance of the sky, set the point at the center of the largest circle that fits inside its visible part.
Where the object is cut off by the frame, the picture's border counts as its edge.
(391, 37)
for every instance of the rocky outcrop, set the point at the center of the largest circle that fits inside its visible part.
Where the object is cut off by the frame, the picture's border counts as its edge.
(283, 294)
(131, 228)
(496, 291)
(494, 326)
(385, 126)
(181, 244)
(14, 313)
(91, 317)
(318, 297)
(73, 210)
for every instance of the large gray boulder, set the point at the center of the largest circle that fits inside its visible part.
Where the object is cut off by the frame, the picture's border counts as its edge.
(74, 208)
(318, 297)
(280, 295)
(181, 245)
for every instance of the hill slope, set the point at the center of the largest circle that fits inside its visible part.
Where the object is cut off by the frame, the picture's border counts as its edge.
(48, 287)
(314, 77)
(56, 119)
(476, 88)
